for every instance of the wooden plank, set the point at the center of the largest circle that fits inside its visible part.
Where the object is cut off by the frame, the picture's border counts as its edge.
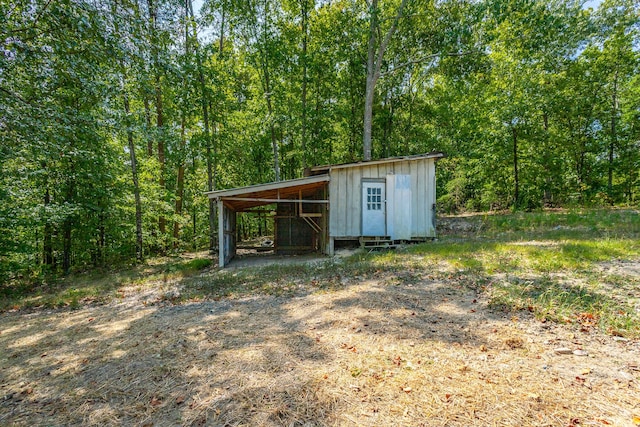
(391, 206)
(356, 203)
(428, 197)
(354, 192)
(339, 211)
(257, 199)
(256, 211)
(431, 199)
(405, 168)
(416, 198)
(233, 217)
(221, 233)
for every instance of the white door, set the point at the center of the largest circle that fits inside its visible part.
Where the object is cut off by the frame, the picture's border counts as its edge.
(399, 210)
(373, 209)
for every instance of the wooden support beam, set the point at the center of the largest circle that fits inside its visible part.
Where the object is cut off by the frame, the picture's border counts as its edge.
(312, 224)
(221, 234)
(311, 215)
(257, 211)
(256, 199)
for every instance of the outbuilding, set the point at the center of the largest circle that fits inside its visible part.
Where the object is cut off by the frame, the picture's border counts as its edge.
(377, 203)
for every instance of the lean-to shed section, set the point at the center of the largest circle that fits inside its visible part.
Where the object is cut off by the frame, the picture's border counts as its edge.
(379, 202)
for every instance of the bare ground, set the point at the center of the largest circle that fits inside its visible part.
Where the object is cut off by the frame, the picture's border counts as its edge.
(398, 350)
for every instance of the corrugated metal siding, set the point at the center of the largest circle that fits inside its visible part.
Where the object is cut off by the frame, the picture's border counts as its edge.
(346, 203)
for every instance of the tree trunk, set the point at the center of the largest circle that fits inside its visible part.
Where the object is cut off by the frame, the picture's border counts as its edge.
(204, 99)
(180, 182)
(67, 225)
(161, 153)
(272, 128)
(153, 14)
(304, 11)
(134, 176)
(66, 246)
(47, 244)
(371, 81)
(516, 190)
(375, 55)
(614, 137)
(546, 155)
(266, 86)
(147, 117)
(183, 139)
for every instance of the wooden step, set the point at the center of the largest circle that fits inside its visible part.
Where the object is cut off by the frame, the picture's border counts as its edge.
(376, 242)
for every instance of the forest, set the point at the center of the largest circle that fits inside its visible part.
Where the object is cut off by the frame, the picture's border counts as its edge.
(116, 116)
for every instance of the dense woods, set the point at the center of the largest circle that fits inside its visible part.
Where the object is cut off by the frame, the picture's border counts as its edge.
(117, 115)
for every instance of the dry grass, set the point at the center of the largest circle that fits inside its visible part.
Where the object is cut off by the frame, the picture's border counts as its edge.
(371, 352)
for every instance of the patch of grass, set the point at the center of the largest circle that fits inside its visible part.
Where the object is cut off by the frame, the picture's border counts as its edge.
(276, 279)
(533, 256)
(96, 286)
(585, 223)
(553, 300)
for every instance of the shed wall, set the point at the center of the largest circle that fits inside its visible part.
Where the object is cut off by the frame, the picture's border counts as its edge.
(345, 196)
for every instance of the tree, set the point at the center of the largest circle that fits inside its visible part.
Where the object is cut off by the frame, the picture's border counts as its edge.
(375, 54)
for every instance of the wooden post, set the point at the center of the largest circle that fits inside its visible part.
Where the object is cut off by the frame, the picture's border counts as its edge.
(221, 224)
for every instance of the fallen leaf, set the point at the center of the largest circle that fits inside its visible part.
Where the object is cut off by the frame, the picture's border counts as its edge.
(535, 397)
(180, 399)
(155, 401)
(636, 420)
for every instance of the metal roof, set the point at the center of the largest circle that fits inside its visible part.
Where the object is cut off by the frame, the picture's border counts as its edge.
(242, 198)
(274, 192)
(326, 168)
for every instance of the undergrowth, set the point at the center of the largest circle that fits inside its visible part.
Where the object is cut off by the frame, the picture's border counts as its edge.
(96, 286)
(546, 263)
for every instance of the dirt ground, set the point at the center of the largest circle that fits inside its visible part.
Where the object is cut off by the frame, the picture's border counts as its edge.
(398, 350)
